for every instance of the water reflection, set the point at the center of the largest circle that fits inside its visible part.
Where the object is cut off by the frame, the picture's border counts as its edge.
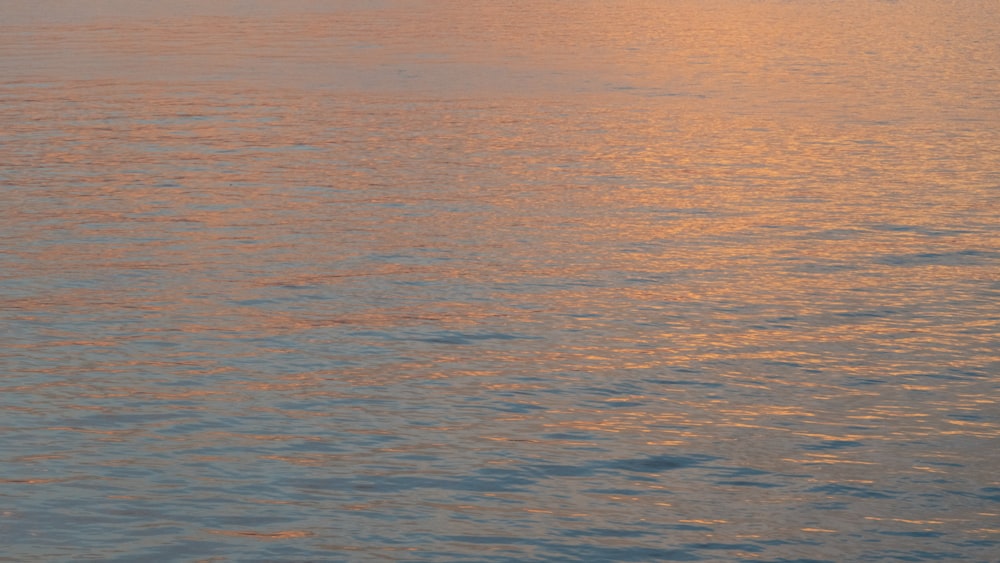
(440, 281)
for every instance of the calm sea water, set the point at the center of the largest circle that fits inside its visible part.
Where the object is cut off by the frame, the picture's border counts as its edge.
(470, 280)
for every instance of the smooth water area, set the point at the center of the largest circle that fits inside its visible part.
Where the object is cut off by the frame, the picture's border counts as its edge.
(470, 280)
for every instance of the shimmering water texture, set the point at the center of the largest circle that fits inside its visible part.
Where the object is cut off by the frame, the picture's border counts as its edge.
(469, 280)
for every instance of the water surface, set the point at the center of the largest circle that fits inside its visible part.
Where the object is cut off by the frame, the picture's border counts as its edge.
(499, 281)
